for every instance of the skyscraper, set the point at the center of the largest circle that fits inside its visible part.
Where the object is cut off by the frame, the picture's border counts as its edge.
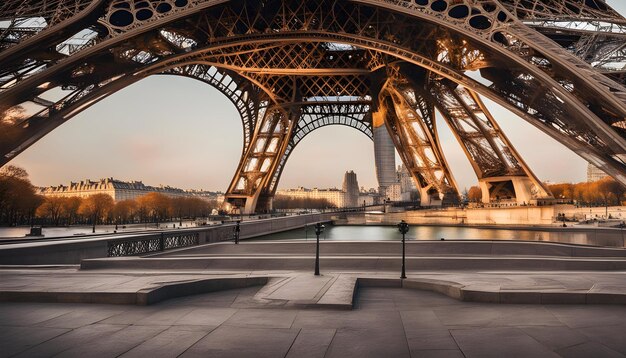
(351, 188)
(384, 154)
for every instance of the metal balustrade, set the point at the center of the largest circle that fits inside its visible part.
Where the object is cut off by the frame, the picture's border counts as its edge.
(144, 245)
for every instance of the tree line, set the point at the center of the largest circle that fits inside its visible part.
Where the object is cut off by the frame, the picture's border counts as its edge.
(20, 205)
(605, 191)
(602, 192)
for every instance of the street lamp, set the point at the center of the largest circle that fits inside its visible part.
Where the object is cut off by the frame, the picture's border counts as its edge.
(237, 230)
(319, 228)
(403, 227)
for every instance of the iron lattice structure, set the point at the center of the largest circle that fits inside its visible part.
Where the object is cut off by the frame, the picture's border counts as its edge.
(291, 67)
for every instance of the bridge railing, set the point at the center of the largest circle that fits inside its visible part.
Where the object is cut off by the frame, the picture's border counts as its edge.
(74, 249)
(153, 243)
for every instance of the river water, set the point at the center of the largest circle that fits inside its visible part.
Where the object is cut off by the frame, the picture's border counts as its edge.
(598, 237)
(349, 233)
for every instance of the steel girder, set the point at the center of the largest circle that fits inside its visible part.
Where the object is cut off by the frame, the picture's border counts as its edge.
(410, 119)
(494, 159)
(269, 43)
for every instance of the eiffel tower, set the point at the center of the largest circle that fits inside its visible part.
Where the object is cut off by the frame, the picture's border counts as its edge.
(383, 67)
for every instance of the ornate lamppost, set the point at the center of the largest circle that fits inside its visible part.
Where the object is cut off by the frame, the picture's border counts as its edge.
(403, 227)
(319, 228)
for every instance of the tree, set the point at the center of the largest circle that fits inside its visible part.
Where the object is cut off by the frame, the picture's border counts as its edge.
(124, 211)
(179, 207)
(70, 206)
(475, 194)
(156, 205)
(18, 199)
(97, 207)
(51, 209)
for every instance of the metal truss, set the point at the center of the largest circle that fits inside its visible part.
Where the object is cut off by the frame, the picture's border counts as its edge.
(561, 9)
(248, 192)
(354, 114)
(491, 154)
(410, 119)
(289, 54)
(246, 97)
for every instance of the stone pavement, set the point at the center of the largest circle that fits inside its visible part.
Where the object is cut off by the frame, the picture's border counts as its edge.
(334, 289)
(386, 322)
(248, 311)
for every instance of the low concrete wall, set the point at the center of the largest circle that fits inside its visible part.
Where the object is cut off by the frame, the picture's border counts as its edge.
(75, 249)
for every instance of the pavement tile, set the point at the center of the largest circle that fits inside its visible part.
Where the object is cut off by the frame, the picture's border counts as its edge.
(499, 342)
(588, 350)
(534, 315)
(132, 315)
(555, 337)
(14, 340)
(169, 343)
(71, 339)
(369, 341)
(82, 316)
(25, 314)
(346, 319)
(268, 318)
(114, 344)
(164, 316)
(589, 315)
(206, 317)
(613, 337)
(470, 315)
(311, 343)
(437, 353)
(415, 322)
(244, 342)
(429, 339)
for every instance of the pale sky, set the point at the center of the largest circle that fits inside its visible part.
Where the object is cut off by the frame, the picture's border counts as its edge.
(181, 132)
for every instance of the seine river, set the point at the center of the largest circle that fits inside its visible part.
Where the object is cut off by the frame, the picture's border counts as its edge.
(349, 233)
(589, 236)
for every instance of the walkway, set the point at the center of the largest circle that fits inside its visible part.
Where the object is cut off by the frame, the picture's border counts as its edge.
(385, 323)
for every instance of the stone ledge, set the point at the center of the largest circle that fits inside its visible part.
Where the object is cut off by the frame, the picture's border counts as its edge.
(487, 295)
(145, 296)
(340, 295)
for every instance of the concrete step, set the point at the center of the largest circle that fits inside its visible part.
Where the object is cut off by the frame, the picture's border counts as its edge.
(141, 296)
(393, 248)
(333, 291)
(343, 263)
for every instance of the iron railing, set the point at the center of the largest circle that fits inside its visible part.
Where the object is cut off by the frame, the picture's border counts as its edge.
(144, 245)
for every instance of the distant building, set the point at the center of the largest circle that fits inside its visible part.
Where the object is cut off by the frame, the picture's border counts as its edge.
(594, 174)
(120, 190)
(393, 192)
(384, 154)
(349, 196)
(407, 184)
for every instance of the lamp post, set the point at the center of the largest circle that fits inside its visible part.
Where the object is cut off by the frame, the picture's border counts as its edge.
(403, 227)
(237, 230)
(319, 228)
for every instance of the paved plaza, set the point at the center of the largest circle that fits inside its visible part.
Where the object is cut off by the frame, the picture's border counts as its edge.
(262, 300)
(386, 322)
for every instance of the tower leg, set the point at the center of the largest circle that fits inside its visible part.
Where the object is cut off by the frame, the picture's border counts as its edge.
(411, 123)
(501, 172)
(249, 191)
